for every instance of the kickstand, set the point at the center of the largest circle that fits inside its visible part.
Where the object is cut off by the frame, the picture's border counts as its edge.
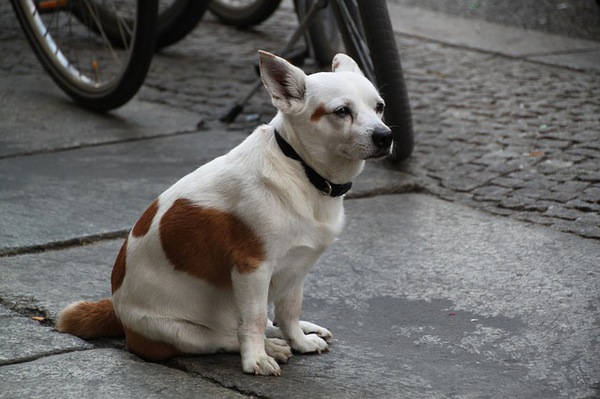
(297, 57)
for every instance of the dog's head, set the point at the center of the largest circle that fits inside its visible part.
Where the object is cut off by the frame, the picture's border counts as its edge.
(335, 112)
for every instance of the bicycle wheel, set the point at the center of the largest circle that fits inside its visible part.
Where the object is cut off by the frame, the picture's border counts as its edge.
(176, 18)
(87, 66)
(323, 37)
(364, 31)
(389, 75)
(243, 13)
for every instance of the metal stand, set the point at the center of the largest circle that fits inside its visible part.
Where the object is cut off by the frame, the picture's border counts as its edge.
(238, 107)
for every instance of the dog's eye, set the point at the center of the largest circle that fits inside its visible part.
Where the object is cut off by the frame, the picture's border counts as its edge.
(343, 111)
(379, 107)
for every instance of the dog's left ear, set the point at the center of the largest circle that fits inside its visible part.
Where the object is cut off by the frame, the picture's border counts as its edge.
(284, 81)
(342, 63)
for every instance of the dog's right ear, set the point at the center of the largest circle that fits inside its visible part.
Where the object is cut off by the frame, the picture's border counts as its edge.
(342, 62)
(284, 82)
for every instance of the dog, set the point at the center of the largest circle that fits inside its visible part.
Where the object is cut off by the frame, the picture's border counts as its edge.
(199, 270)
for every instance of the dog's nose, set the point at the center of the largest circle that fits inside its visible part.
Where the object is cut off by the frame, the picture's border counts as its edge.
(382, 137)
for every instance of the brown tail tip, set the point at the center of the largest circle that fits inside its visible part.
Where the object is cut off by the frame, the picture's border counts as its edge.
(90, 320)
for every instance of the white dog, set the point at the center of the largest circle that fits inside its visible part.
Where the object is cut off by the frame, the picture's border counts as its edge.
(198, 270)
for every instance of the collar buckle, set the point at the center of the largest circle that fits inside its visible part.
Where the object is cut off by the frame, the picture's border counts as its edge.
(328, 190)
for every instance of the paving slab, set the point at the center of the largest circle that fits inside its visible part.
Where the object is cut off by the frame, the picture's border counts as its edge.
(574, 19)
(586, 60)
(63, 196)
(425, 298)
(103, 373)
(25, 339)
(49, 281)
(37, 117)
(496, 38)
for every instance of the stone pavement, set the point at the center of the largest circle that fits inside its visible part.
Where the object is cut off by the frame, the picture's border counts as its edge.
(471, 272)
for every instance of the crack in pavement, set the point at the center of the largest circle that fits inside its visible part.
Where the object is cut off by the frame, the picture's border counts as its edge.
(63, 244)
(99, 144)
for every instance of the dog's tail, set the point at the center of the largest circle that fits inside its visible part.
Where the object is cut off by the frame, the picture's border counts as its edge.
(90, 320)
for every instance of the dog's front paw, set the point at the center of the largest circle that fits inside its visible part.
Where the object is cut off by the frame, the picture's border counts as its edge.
(278, 349)
(310, 328)
(310, 344)
(261, 365)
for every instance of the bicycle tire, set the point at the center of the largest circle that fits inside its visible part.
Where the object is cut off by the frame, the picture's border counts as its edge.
(90, 89)
(178, 20)
(381, 64)
(252, 14)
(321, 38)
(389, 75)
(175, 21)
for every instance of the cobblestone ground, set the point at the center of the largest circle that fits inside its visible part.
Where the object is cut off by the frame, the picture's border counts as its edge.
(510, 137)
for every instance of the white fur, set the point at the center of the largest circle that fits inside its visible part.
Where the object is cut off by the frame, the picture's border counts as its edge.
(270, 192)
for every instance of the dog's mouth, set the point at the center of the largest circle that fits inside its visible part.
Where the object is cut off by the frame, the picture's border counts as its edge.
(379, 153)
(375, 157)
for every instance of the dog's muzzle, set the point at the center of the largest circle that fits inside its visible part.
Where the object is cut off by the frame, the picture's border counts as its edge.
(382, 139)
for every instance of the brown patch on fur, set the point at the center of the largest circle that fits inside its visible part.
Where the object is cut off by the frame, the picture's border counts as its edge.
(208, 243)
(90, 320)
(143, 225)
(118, 271)
(147, 349)
(319, 112)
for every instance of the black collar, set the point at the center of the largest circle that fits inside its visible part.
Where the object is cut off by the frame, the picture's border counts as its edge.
(323, 185)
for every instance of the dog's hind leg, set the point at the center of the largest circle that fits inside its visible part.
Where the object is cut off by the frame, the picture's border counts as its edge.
(200, 340)
(303, 337)
(164, 338)
(278, 349)
(307, 328)
(273, 331)
(311, 328)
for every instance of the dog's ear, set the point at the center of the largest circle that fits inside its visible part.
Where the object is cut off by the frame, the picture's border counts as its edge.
(284, 81)
(342, 63)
